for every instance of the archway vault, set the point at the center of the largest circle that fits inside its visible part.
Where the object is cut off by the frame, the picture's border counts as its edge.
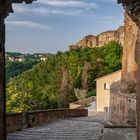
(132, 8)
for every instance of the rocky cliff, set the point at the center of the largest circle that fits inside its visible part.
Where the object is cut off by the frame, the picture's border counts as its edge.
(127, 36)
(92, 41)
(129, 66)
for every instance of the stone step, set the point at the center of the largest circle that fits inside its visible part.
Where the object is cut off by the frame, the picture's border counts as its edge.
(119, 134)
(67, 129)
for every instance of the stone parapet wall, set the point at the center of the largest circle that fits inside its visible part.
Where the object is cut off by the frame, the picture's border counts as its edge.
(14, 121)
(75, 106)
(81, 104)
(122, 107)
(18, 121)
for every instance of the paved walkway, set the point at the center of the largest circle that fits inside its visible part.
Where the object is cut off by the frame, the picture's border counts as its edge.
(85, 128)
(119, 134)
(67, 129)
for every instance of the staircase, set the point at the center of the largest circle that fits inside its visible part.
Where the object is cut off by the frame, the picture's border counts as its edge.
(79, 128)
(85, 128)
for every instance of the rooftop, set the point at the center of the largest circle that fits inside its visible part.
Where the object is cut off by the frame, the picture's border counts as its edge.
(107, 75)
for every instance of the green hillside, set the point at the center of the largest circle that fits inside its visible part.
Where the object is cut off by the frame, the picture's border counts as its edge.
(50, 84)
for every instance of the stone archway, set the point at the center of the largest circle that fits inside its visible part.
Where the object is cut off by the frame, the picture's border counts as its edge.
(132, 8)
(5, 9)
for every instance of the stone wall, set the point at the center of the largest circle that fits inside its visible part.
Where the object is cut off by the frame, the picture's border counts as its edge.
(92, 41)
(18, 121)
(132, 8)
(122, 107)
(14, 121)
(82, 104)
(122, 97)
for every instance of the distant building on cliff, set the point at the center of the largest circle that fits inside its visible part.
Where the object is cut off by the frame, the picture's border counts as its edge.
(92, 41)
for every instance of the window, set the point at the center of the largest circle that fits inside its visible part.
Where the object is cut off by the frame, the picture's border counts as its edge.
(106, 86)
(91, 44)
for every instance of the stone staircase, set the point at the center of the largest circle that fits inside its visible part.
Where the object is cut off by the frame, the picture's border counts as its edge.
(85, 128)
(80, 128)
(119, 134)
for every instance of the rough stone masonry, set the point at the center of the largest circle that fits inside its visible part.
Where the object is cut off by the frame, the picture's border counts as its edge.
(132, 8)
(5, 9)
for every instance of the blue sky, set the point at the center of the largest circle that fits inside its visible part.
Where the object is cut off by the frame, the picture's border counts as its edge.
(52, 25)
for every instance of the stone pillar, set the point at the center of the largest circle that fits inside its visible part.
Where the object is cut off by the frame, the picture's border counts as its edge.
(2, 82)
(129, 66)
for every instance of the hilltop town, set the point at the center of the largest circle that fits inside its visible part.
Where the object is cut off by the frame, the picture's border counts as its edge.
(19, 57)
(92, 41)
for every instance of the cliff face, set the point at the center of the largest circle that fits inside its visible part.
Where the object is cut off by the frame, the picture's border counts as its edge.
(129, 66)
(92, 41)
(127, 36)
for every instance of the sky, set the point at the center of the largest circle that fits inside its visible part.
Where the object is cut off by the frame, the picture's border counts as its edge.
(48, 26)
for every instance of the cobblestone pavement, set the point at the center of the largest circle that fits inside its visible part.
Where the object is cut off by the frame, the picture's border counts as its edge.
(85, 128)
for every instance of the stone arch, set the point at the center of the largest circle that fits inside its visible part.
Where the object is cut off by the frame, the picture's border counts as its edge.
(132, 8)
(5, 9)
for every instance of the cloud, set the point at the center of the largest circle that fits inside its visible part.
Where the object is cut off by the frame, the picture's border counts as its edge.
(57, 7)
(68, 3)
(28, 24)
(107, 1)
(45, 11)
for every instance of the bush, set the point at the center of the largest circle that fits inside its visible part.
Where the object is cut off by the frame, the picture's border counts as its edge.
(91, 93)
